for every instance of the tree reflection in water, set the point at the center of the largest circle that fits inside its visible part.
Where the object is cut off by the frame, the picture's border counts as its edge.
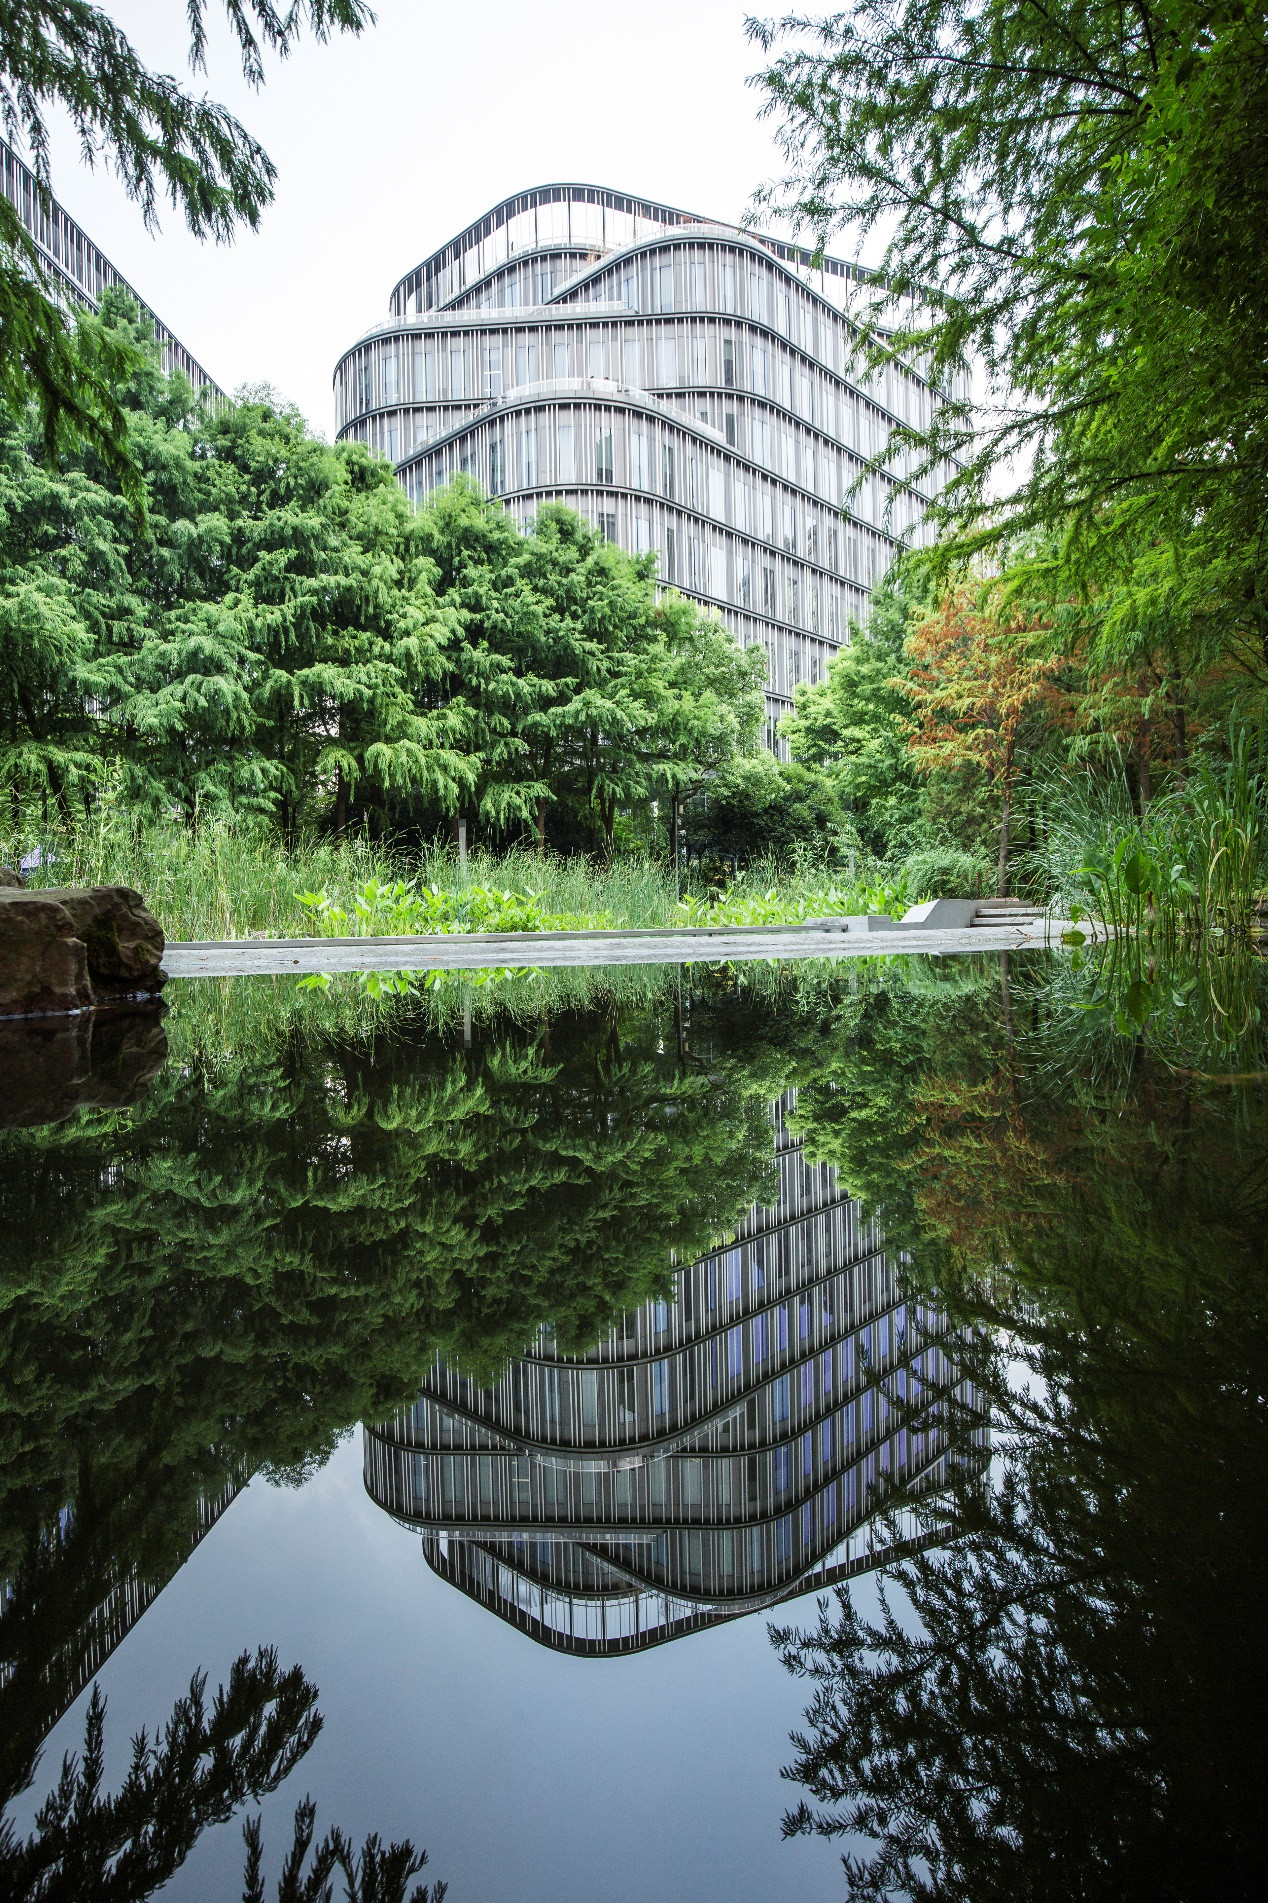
(122, 1846)
(220, 1268)
(1069, 1700)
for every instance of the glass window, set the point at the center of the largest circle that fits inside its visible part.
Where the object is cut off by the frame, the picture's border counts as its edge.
(632, 361)
(563, 367)
(666, 360)
(457, 371)
(526, 363)
(660, 1387)
(662, 287)
(735, 1351)
(726, 286)
(389, 376)
(493, 368)
(760, 363)
(699, 360)
(768, 592)
(565, 457)
(497, 466)
(639, 466)
(629, 290)
(603, 471)
(699, 285)
(668, 473)
(717, 491)
(760, 1340)
(597, 357)
(528, 456)
(606, 526)
(728, 362)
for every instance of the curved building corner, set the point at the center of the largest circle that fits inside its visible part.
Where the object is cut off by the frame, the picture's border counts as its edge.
(683, 384)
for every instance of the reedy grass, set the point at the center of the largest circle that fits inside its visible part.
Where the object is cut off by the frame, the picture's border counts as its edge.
(1193, 864)
(218, 880)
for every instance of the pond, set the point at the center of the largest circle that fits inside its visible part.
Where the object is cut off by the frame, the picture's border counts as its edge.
(643, 1434)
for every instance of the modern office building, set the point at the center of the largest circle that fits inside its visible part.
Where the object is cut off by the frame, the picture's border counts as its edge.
(79, 271)
(716, 1454)
(688, 386)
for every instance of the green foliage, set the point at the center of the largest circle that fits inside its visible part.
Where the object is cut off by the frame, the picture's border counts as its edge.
(1195, 862)
(762, 808)
(287, 641)
(379, 910)
(583, 690)
(160, 140)
(1072, 197)
(853, 727)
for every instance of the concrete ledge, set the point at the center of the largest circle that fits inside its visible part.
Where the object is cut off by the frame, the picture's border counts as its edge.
(478, 951)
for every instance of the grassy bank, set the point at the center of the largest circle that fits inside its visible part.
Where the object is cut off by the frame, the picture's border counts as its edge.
(217, 881)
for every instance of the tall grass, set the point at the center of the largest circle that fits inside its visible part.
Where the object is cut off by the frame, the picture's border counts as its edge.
(1193, 864)
(218, 880)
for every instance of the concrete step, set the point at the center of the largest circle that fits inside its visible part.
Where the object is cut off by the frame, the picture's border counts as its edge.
(1006, 912)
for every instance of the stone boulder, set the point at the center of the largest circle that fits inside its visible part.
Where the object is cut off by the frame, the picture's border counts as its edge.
(10, 878)
(120, 948)
(121, 935)
(43, 964)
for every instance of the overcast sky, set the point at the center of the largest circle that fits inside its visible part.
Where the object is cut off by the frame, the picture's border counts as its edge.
(388, 145)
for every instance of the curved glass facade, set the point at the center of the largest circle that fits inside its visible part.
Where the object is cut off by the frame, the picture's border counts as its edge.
(683, 384)
(718, 1453)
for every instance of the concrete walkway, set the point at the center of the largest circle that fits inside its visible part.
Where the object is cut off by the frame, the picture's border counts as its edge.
(675, 945)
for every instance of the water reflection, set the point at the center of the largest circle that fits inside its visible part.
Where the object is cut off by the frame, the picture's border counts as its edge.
(1067, 1699)
(718, 1452)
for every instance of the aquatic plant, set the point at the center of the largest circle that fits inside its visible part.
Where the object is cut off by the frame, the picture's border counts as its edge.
(1193, 862)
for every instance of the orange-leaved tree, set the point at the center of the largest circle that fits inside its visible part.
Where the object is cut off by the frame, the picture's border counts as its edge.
(976, 677)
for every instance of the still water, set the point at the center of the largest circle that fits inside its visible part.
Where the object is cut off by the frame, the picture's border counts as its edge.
(557, 1396)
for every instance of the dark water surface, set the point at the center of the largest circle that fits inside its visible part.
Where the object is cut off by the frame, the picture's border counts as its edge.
(510, 1363)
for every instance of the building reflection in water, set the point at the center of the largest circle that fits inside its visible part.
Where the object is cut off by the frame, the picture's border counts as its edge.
(714, 1455)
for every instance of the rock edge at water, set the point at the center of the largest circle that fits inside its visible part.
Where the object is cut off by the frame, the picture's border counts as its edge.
(69, 949)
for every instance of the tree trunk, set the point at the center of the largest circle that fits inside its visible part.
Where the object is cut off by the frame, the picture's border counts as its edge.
(541, 825)
(341, 805)
(1005, 825)
(1180, 727)
(1144, 755)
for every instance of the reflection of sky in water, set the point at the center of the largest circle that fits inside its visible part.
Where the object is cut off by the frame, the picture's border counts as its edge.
(525, 1774)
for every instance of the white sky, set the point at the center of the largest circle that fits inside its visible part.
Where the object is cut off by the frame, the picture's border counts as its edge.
(388, 145)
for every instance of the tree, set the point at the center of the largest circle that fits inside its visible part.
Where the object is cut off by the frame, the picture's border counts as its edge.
(267, 641)
(581, 690)
(161, 140)
(198, 1771)
(975, 687)
(853, 727)
(1073, 197)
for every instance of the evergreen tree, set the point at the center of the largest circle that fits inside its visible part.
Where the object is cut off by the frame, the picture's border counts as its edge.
(161, 140)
